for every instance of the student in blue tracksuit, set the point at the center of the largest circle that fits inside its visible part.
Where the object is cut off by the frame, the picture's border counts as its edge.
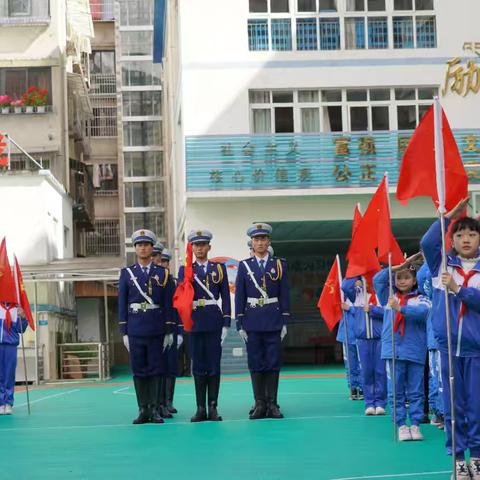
(367, 325)
(354, 374)
(435, 400)
(9, 340)
(462, 279)
(410, 310)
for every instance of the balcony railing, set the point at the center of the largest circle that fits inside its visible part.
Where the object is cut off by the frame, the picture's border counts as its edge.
(102, 10)
(306, 161)
(102, 84)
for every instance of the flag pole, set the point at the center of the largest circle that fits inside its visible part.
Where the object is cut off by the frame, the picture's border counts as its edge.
(344, 318)
(392, 321)
(440, 176)
(21, 338)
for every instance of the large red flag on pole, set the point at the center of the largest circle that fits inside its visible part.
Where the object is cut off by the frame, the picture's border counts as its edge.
(330, 301)
(183, 297)
(373, 232)
(22, 298)
(8, 293)
(420, 174)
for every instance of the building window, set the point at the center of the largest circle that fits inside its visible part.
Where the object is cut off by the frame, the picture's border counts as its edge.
(14, 82)
(426, 32)
(136, 13)
(136, 42)
(354, 33)
(19, 8)
(329, 34)
(104, 120)
(335, 110)
(138, 134)
(140, 73)
(154, 221)
(104, 178)
(307, 34)
(142, 104)
(258, 34)
(143, 164)
(103, 62)
(143, 194)
(281, 34)
(377, 32)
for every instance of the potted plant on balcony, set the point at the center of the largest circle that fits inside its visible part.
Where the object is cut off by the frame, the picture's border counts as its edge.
(35, 97)
(17, 105)
(5, 102)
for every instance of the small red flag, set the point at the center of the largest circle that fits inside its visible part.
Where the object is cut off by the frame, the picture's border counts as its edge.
(8, 292)
(22, 298)
(330, 301)
(183, 297)
(418, 175)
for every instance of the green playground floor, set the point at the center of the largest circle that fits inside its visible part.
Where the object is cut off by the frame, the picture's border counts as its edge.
(85, 432)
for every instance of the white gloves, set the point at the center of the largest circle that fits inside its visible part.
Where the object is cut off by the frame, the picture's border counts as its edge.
(243, 335)
(283, 332)
(179, 341)
(167, 341)
(224, 335)
(125, 342)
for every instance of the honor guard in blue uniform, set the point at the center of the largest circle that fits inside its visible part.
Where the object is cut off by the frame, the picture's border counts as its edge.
(210, 324)
(170, 355)
(262, 307)
(146, 320)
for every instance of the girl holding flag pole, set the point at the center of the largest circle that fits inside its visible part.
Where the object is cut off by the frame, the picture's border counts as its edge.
(409, 347)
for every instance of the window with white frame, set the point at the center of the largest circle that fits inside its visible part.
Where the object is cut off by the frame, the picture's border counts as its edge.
(14, 82)
(337, 110)
(283, 25)
(142, 133)
(154, 221)
(143, 164)
(143, 194)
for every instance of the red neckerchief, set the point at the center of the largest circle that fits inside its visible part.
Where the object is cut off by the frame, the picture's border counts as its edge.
(400, 317)
(466, 277)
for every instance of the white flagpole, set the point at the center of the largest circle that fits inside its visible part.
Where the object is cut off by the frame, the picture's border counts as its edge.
(21, 333)
(344, 318)
(392, 322)
(440, 177)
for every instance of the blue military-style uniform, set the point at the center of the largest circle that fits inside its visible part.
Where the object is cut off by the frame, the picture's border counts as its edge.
(146, 316)
(262, 306)
(210, 284)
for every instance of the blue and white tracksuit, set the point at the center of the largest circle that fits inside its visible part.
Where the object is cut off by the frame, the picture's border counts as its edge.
(9, 341)
(435, 387)
(465, 336)
(367, 329)
(410, 348)
(354, 375)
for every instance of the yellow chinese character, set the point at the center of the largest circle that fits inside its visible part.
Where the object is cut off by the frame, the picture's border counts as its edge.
(456, 75)
(366, 146)
(342, 173)
(471, 144)
(472, 74)
(341, 146)
(368, 172)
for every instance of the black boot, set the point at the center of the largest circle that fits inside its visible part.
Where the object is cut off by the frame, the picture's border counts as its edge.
(271, 386)
(155, 398)
(360, 395)
(258, 384)
(277, 381)
(170, 390)
(213, 389)
(353, 394)
(142, 390)
(201, 395)
(162, 406)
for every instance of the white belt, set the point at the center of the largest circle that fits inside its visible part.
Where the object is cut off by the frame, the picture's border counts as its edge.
(203, 302)
(144, 306)
(261, 301)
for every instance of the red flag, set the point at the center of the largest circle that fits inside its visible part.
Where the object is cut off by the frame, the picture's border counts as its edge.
(357, 216)
(330, 301)
(183, 297)
(418, 173)
(8, 293)
(22, 298)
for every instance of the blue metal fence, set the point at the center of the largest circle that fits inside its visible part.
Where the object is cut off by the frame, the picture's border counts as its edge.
(377, 32)
(258, 34)
(305, 161)
(426, 32)
(307, 34)
(281, 34)
(403, 32)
